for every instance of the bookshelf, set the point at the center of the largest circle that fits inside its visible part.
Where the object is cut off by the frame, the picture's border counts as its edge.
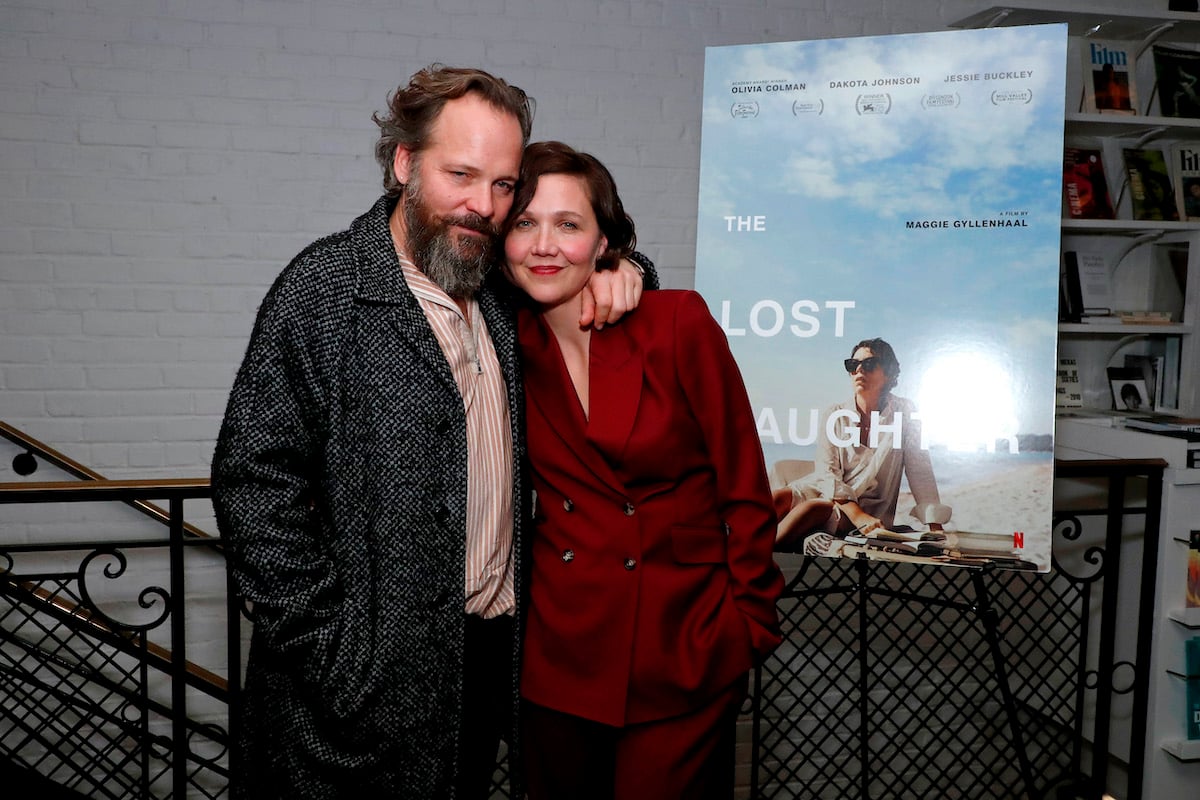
(1152, 264)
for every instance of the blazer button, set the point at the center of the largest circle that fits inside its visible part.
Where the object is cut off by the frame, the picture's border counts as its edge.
(568, 556)
(629, 509)
(630, 564)
(568, 505)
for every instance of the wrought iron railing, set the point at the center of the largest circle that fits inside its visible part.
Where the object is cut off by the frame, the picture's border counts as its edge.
(100, 694)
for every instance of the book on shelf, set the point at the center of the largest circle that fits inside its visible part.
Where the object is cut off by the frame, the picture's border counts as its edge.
(1070, 294)
(1084, 184)
(1144, 317)
(1068, 391)
(1191, 665)
(1185, 162)
(1151, 368)
(1086, 286)
(1163, 423)
(1109, 77)
(1192, 599)
(1177, 76)
(1171, 352)
(1150, 189)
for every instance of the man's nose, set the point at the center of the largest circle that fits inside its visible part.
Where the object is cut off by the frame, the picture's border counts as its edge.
(481, 202)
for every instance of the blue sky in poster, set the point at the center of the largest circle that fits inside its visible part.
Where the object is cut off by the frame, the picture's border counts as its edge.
(833, 190)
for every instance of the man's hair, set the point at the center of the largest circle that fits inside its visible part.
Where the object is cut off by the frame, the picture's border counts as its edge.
(887, 359)
(413, 109)
(556, 158)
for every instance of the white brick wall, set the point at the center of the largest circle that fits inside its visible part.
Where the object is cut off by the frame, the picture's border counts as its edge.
(161, 160)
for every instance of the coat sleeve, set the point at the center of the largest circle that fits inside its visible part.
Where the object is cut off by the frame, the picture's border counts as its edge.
(266, 495)
(717, 396)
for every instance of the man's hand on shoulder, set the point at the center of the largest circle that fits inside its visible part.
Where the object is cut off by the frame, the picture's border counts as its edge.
(611, 294)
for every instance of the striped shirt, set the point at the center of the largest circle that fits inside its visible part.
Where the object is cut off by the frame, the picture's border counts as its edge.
(468, 347)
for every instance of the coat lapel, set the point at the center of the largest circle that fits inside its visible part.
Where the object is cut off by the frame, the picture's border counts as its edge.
(381, 282)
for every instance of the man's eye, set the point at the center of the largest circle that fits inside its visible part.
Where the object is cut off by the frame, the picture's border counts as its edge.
(505, 186)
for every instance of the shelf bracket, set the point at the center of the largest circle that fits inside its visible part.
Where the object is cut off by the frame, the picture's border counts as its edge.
(1001, 15)
(1121, 345)
(1153, 36)
(1149, 136)
(1132, 245)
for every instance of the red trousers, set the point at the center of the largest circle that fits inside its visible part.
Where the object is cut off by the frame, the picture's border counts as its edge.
(689, 757)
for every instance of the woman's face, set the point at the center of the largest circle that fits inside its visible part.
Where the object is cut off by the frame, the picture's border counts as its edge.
(551, 251)
(867, 383)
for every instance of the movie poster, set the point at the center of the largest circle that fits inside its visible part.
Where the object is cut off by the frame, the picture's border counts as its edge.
(906, 189)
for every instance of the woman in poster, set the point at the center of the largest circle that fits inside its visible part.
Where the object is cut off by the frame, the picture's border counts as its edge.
(855, 482)
(653, 583)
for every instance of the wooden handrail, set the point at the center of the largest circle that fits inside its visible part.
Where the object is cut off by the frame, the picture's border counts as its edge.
(86, 491)
(86, 474)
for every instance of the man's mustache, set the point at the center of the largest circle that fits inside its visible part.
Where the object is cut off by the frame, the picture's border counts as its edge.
(473, 222)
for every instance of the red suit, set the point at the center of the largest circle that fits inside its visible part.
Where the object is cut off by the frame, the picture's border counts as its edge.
(653, 585)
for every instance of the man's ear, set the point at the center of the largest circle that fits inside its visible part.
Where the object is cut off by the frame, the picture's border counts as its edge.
(402, 163)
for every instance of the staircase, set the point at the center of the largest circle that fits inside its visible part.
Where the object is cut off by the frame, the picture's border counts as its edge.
(98, 697)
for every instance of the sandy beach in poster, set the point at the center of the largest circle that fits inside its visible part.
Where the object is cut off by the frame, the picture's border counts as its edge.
(997, 494)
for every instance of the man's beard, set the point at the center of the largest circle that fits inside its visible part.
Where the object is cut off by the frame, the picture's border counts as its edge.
(456, 263)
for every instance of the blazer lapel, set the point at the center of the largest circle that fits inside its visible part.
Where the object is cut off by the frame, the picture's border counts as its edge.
(552, 395)
(616, 367)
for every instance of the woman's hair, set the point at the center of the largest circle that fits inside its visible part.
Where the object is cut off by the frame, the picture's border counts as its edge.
(556, 158)
(887, 358)
(413, 109)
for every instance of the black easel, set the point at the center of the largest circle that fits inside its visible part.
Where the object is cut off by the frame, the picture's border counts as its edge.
(982, 608)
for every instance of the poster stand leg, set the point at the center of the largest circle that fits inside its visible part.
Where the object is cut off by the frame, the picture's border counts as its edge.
(981, 608)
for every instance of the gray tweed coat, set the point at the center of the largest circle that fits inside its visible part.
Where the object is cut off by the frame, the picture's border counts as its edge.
(339, 482)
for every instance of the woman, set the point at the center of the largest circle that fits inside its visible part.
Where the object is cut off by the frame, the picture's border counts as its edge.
(855, 483)
(653, 588)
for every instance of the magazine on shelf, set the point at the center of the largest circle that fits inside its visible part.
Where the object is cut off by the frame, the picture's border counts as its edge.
(1068, 391)
(1129, 390)
(1192, 599)
(1095, 283)
(1109, 77)
(1084, 184)
(1150, 189)
(1185, 161)
(1177, 76)
(1151, 368)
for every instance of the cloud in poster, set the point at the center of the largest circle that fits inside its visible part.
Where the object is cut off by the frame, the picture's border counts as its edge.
(874, 163)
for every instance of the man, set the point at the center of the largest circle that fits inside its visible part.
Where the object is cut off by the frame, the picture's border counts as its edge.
(367, 474)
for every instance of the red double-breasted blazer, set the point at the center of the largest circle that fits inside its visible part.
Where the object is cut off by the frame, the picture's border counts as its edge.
(653, 584)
